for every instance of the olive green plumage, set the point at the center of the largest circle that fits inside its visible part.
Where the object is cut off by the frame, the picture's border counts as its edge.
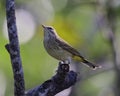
(60, 49)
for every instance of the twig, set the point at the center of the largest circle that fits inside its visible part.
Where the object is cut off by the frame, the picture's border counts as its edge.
(111, 15)
(62, 80)
(110, 22)
(111, 19)
(14, 50)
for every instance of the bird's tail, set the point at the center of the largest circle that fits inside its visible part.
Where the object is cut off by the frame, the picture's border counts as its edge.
(91, 65)
(86, 62)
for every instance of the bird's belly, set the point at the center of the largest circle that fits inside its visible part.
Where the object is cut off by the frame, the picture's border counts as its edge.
(57, 52)
(60, 54)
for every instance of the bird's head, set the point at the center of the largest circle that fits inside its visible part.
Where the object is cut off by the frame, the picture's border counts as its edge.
(49, 31)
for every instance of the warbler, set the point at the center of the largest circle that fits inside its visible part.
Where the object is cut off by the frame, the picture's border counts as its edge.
(60, 49)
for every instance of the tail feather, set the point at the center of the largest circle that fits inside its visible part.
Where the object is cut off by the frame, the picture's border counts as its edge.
(91, 65)
(86, 62)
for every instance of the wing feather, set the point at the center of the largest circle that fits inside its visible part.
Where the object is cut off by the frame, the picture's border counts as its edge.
(64, 45)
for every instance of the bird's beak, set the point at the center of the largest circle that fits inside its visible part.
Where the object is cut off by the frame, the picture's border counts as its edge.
(43, 26)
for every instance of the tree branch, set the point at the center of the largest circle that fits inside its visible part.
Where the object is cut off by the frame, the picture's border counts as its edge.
(111, 16)
(110, 23)
(62, 80)
(13, 49)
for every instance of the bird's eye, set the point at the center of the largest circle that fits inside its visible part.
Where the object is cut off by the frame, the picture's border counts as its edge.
(49, 28)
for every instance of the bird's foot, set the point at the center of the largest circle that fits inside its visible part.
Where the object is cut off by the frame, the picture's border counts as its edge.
(64, 65)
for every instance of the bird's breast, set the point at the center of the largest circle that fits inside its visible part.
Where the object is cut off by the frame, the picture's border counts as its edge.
(55, 50)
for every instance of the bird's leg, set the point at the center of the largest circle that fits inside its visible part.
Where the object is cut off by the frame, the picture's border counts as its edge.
(61, 62)
(64, 62)
(63, 65)
(67, 62)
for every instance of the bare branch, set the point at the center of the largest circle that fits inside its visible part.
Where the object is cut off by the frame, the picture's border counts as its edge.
(111, 16)
(13, 49)
(62, 80)
(110, 23)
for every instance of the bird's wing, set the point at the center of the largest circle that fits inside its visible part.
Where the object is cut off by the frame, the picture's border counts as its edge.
(64, 45)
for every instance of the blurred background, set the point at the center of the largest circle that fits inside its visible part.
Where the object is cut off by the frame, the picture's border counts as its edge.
(90, 26)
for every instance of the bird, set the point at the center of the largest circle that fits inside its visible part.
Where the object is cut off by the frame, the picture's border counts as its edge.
(61, 49)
